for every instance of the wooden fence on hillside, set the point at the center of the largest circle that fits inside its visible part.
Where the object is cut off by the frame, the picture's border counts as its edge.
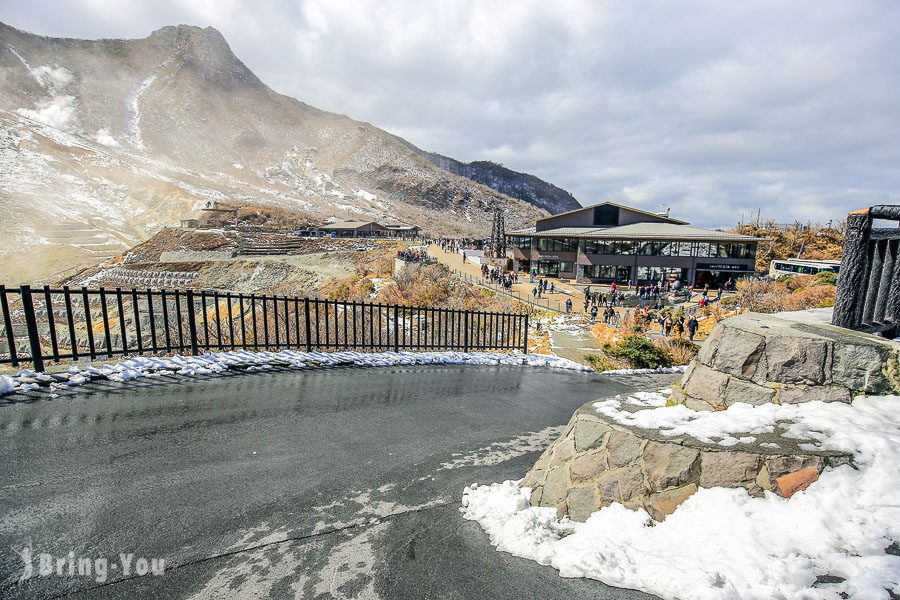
(75, 324)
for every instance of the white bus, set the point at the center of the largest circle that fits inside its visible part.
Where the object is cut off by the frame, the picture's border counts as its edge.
(791, 267)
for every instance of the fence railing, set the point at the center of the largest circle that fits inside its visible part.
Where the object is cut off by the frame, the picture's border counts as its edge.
(554, 305)
(868, 293)
(80, 323)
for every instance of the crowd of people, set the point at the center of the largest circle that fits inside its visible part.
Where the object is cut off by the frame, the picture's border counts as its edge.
(498, 277)
(411, 255)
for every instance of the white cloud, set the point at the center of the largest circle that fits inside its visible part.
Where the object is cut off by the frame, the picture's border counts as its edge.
(713, 107)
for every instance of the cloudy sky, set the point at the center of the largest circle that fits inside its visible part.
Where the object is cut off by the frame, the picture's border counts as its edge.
(718, 109)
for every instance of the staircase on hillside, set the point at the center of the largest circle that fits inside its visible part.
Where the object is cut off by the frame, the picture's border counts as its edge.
(262, 244)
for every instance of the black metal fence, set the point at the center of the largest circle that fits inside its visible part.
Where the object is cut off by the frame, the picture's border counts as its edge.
(71, 324)
(868, 294)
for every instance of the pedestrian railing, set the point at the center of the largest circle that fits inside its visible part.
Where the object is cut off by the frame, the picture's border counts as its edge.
(554, 305)
(868, 292)
(50, 324)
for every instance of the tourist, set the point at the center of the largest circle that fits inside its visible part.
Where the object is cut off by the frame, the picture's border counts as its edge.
(568, 306)
(593, 313)
(692, 325)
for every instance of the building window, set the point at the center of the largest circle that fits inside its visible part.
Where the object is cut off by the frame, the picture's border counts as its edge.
(557, 244)
(611, 247)
(607, 272)
(606, 216)
(566, 266)
(657, 274)
(523, 243)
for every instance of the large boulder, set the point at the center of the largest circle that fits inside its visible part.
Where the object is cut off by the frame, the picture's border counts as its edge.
(786, 358)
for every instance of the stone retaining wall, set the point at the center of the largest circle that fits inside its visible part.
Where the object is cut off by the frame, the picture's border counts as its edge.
(597, 462)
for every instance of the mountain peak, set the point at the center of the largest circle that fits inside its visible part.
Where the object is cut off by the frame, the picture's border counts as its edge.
(206, 51)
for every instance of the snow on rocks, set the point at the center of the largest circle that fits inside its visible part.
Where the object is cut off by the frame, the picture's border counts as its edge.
(724, 543)
(221, 362)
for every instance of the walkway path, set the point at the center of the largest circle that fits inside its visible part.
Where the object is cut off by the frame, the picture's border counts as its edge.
(523, 289)
(329, 484)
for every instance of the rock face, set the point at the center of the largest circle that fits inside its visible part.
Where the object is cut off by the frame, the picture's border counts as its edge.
(786, 359)
(640, 470)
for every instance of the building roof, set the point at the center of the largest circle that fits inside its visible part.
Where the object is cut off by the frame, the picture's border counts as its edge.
(348, 224)
(622, 206)
(642, 231)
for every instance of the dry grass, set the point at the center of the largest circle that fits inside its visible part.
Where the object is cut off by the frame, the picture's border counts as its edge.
(434, 286)
(798, 293)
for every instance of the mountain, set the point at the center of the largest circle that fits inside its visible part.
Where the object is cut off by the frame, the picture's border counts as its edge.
(103, 142)
(523, 186)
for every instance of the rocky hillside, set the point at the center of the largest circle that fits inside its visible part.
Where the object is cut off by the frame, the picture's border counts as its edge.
(523, 186)
(104, 142)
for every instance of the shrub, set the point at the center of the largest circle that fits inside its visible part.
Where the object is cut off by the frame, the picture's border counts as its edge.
(602, 362)
(639, 352)
(681, 351)
(810, 297)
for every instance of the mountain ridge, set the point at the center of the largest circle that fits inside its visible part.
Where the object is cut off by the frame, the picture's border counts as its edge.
(116, 138)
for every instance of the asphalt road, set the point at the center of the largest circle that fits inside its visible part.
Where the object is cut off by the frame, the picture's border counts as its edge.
(343, 483)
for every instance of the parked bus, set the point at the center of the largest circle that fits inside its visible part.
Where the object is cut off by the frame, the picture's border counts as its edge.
(796, 266)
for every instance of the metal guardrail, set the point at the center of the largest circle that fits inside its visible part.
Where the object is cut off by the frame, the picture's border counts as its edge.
(71, 324)
(514, 294)
(868, 293)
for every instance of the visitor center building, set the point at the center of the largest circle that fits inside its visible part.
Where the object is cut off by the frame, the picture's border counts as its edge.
(609, 242)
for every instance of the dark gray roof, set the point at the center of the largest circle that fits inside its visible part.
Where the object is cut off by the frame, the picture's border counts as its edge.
(642, 231)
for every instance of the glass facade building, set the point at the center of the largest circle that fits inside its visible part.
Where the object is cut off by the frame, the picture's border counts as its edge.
(610, 242)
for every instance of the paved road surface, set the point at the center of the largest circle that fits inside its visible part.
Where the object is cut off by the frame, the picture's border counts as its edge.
(331, 484)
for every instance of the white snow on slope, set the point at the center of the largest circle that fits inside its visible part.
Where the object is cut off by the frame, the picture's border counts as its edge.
(724, 544)
(132, 131)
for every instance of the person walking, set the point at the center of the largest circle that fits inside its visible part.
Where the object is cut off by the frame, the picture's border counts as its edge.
(593, 313)
(568, 306)
(668, 325)
(692, 325)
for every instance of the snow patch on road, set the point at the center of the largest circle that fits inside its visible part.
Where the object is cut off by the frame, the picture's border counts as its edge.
(500, 452)
(723, 543)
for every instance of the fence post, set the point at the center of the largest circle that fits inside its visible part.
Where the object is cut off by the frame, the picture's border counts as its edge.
(192, 322)
(7, 325)
(854, 268)
(525, 342)
(396, 330)
(37, 357)
(308, 327)
(466, 331)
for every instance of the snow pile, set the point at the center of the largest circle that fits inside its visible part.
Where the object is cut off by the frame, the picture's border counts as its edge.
(803, 421)
(723, 543)
(221, 362)
(7, 385)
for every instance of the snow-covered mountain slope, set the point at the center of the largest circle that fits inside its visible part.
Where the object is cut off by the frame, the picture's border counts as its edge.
(103, 142)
